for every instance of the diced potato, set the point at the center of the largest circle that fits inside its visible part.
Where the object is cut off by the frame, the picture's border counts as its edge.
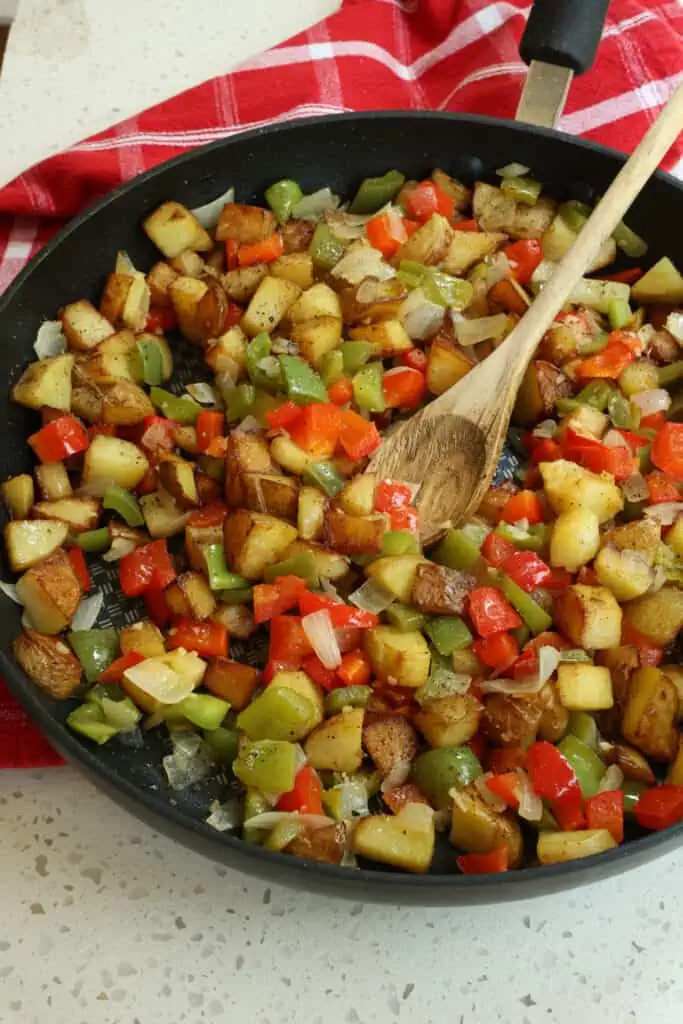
(84, 326)
(358, 497)
(584, 687)
(53, 481)
(197, 538)
(29, 541)
(190, 596)
(162, 519)
(496, 211)
(589, 616)
(396, 574)
(390, 335)
(429, 244)
(111, 460)
(351, 535)
(142, 638)
(398, 658)
(86, 402)
(254, 541)
(124, 404)
(626, 573)
(246, 224)
(631, 761)
(189, 264)
(575, 539)
(438, 590)
(51, 593)
(675, 674)
(18, 495)
(47, 382)
(232, 681)
(555, 717)
(470, 247)
(557, 240)
(178, 478)
(270, 493)
(241, 283)
(570, 486)
(674, 537)
(140, 698)
(459, 193)
(325, 845)
(477, 828)
(449, 721)
(404, 840)
(79, 514)
(159, 278)
(558, 847)
(561, 343)
(296, 267)
(446, 364)
(228, 353)
(173, 229)
(288, 455)
(658, 616)
(641, 536)
(49, 663)
(126, 300)
(269, 304)
(674, 776)
(317, 301)
(661, 283)
(311, 513)
(238, 619)
(512, 721)
(543, 384)
(390, 741)
(316, 338)
(186, 293)
(329, 565)
(247, 453)
(650, 714)
(587, 419)
(305, 687)
(335, 744)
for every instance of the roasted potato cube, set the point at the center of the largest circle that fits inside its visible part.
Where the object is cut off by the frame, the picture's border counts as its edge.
(124, 404)
(389, 741)
(641, 536)
(404, 840)
(449, 721)
(189, 264)
(79, 514)
(675, 674)
(650, 714)
(18, 494)
(353, 535)
(29, 541)
(390, 335)
(311, 513)
(297, 235)
(398, 658)
(125, 300)
(159, 279)
(358, 497)
(47, 382)
(543, 384)
(53, 481)
(626, 573)
(269, 304)
(560, 344)
(190, 596)
(49, 663)
(186, 294)
(555, 717)
(497, 211)
(211, 312)
(336, 743)
(329, 565)
(86, 402)
(429, 244)
(296, 267)
(438, 590)
(584, 687)
(325, 845)
(162, 519)
(142, 638)
(674, 776)
(661, 283)
(178, 478)
(674, 537)
(477, 828)
(173, 229)
(228, 353)
(197, 538)
(254, 541)
(575, 539)
(470, 247)
(241, 283)
(446, 364)
(586, 419)
(246, 224)
(275, 495)
(459, 193)
(51, 593)
(570, 486)
(238, 619)
(232, 681)
(589, 616)
(317, 301)
(247, 453)
(316, 338)
(84, 327)
(559, 847)
(511, 721)
(288, 455)
(111, 460)
(397, 574)
(658, 616)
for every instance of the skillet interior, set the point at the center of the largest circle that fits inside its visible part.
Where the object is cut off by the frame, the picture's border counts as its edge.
(338, 151)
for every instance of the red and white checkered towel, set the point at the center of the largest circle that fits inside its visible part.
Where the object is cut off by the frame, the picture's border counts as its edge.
(455, 55)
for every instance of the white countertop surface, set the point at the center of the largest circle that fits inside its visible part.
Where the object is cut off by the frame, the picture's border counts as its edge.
(105, 922)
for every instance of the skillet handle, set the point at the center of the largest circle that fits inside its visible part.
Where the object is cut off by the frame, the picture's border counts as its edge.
(564, 32)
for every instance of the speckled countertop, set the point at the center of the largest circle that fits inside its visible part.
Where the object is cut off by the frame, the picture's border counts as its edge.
(105, 922)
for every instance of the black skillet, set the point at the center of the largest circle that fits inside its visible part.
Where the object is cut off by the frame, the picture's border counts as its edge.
(338, 151)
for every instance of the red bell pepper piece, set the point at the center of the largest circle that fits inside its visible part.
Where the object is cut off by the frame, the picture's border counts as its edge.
(607, 364)
(387, 233)
(629, 276)
(506, 786)
(210, 515)
(340, 391)
(546, 450)
(649, 654)
(208, 638)
(355, 669)
(478, 744)
(606, 810)
(524, 505)
(503, 760)
(282, 417)
(631, 339)
(113, 673)
(59, 439)
(325, 677)
(400, 796)
(100, 429)
(634, 441)
(660, 807)
(404, 388)
(358, 437)
(496, 651)
(496, 549)
(491, 612)
(404, 519)
(667, 450)
(148, 567)
(527, 570)
(209, 427)
(491, 863)
(569, 814)
(160, 320)
(306, 797)
(415, 358)
(261, 252)
(77, 559)
(524, 256)
(466, 225)
(411, 226)
(231, 247)
(157, 607)
(288, 647)
(276, 598)
(317, 429)
(653, 422)
(390, 494)
(552, 777)
(156, 435)
(661, 488)
(342, 616)
(233, 315)
(598, 457)
(426, 199)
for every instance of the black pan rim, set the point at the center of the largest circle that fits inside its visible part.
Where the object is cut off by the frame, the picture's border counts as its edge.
(276, 866)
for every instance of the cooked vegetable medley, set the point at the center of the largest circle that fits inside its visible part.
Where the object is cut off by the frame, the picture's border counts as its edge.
(515, 686)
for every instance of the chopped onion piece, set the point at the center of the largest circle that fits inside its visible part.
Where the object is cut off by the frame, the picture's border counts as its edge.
(650, 402)
(202, 392)
(513, 170)
(322, 637)
(612, 779)
(169, 678)
(546, 429)
(225, 816)
(208, 214)
(548, 660)
(666, 513)
(613, 439)
(635, 488)
(485, 328)
(487, 795)
(249, 425)
(364, 262)
(420, 317)
(330, 590)
(124, 264)
(530, 803)
(50, 340)
(87, 612)
(10, 590)
(189, 763)
(284, 347)
(674, 325)
(270, 366)
(396, 776)
(269, 819)
(120, 547)
(496, 270)
(371, 597)
(314, 206)
(353, 799)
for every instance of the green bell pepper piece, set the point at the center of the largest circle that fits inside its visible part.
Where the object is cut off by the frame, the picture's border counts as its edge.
(448, 633)
(633, 510)
(566, 405)
(88, 720)
(588, 767)
(442, 681)
(259, 348)
(97, 693)
(325, 249)
(534, 538)
(95, 649)
(282, 834)
(618, 313)
(268, 765)
(332, 366)
(405, 618)
(438, 771)
(212, 466)
(123, 502)
(439, 287)
(644, 458)
(574, 214)
(302, 384)
(220, 577)
(282, 197)
(240, 595)
(277, 714)
(302, 565)
(254, 803)
(152, 361)
(521, 189)
(582, 725)
(597, 394)
(223, 744)
(631, 244)
(203, 710)
(94, 541)
(576, 654)
(533, 615)
(632, 791)
(368, 391)
(325, 476)
(347, 697)
(238, 402)
(400, 542)
(120, 713)
(457, 551)
(182, 410)
(356, 354)
(670, 374)
(374, 193)
(622, 413)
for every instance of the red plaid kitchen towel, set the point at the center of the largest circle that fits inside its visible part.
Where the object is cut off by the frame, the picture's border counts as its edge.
(455, 55)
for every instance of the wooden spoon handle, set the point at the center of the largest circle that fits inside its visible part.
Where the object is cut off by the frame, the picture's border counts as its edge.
(523, 340)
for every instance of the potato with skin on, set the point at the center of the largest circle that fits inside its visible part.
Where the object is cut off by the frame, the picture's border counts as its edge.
(231, 681)
(111, 460)
(124, 404)
(353, 535)
(569, 486)
(541, 387)
(238, 619)
(269, 304)
(159, 279)
(398, 658)
(18, 494)
(404, 840)
(329, 565)
(642, 536)
(228, 353)
(29, 541)
(173, 229)
(161, 518)
(449, 721)
(510, 721)
(126, 300)
(335, 745)
(84, 326)
(626, 573)
(589, 616)
(438, 590)
(254, 541)
(650, 714)
(185, 294)
(246, 224)
(49, 663)
(190, 596)
(555, 718)
(311, 513)
(53, 481)
(240, 284)
(675, 674)
(50, 592)
(674, 776)
(390, 335)
(477, 828)
(178, 477)
(470, 247)
(447, 363)
(396, 573)
(658, 615)
(575, 539)
(47, 382)
(197, 538)
(325, 845)
(79, 514)
(246, 453)
(273, 494)
(86, 401)
(559, 847)
(429, 244)
(389, 741)
(142, 638)
(584, 687)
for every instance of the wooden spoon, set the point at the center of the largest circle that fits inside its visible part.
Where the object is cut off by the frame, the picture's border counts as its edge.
(451, 447)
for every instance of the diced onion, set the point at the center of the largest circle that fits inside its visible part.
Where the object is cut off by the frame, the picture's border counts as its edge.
(666, 513)
(189, 763)
(371, 597)
(497, 270)
(201, 392)
(546, 429)
(313, 206)
(225, 816)
(396, 776)
(635, 488)
(270, 366)
(420, 317)
(87, 612)
(120, 547)
(487, 795)
(613, 439)
(169, 678)
(208, 214)
(124, 264)
(269, 819)
(674, 325)
(321, 635)
(530, 803)
(471, 332)
(612, 779)
(10, 590)
(284, 347)
(353, 799)
(513, 170)
(364, 262)
(249, 425)
(548, 660)
(650, 402)
(50, 340)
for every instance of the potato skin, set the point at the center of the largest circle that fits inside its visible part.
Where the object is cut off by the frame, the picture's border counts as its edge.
(48, 662)
(353, 535)
(254, 541)
(511, 721)
(438, 590)
(477, 828)
(650, 713)
(388, 741)
(589, 616)
(449, 721)
(543, 384)
(325, 845)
